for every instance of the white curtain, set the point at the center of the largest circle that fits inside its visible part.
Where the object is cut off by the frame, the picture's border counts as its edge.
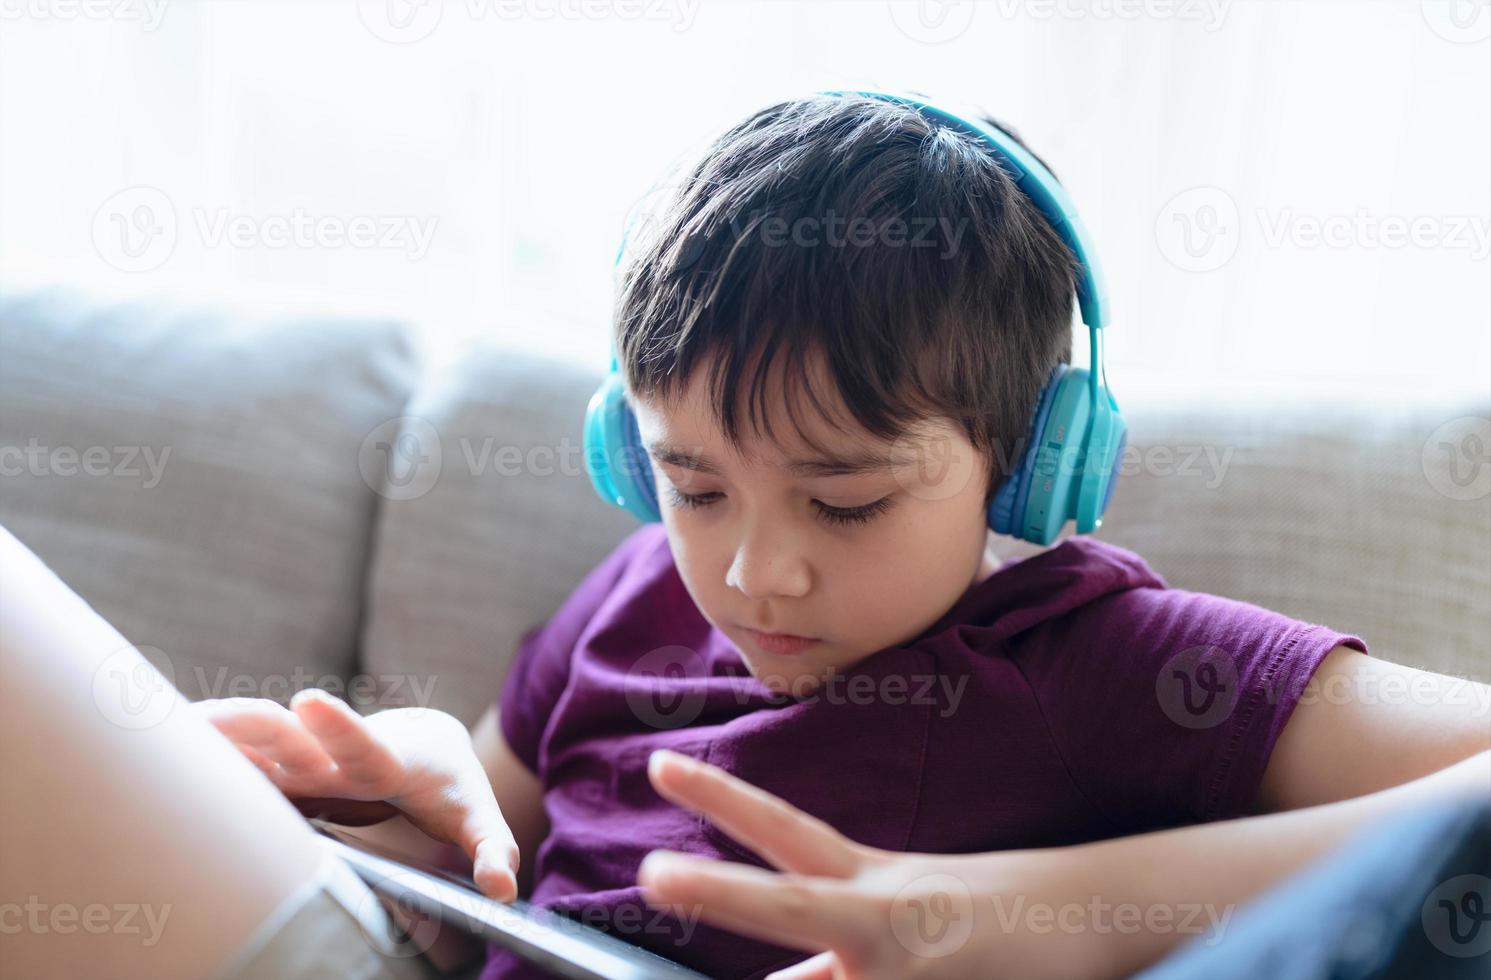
(1296, 190)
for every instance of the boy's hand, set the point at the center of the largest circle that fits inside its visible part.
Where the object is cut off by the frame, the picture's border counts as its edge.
(873, 914)
(333, 763)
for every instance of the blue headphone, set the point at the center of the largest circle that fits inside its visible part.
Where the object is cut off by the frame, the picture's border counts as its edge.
(1076, 436)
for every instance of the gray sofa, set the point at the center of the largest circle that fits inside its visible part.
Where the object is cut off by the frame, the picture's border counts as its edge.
(263, 503)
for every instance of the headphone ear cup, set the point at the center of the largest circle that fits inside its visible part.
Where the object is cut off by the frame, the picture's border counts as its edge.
(1002, 508)
(1099, 474)
(1008, 512)
(614, 455)
(1123, 442)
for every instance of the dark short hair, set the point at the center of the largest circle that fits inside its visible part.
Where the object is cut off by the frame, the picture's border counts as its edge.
(962, 314)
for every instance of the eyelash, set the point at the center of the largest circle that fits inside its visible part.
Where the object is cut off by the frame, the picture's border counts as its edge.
(841, 516)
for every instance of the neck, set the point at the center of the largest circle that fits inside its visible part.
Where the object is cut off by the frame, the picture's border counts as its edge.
(989, 562)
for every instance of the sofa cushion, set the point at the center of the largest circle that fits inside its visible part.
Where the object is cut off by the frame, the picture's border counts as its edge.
(489, 523)
(194, 476)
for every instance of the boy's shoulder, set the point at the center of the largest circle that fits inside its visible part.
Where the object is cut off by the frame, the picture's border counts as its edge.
(643, 579)
(1057, 583)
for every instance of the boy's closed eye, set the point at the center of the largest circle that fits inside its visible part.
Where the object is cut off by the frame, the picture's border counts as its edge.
(830, 513)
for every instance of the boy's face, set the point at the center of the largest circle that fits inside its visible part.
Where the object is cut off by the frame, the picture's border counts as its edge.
(855, 561)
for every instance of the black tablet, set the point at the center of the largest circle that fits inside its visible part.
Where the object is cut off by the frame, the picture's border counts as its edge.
(558, 944)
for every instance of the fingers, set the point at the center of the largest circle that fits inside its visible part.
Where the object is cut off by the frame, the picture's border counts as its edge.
(270, 730)
(494, 868)
(268, 767)
(486, 838)
(357, 752)
(782, 834)
(801, 912)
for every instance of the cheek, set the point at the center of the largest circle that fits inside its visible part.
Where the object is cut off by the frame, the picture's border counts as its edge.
(695, 555)
(921, 564)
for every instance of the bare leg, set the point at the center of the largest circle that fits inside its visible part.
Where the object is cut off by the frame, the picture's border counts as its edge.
(135, 841)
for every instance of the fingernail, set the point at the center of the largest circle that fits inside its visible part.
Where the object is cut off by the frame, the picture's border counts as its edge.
(661, 757)
(485, 871)
(659, 868)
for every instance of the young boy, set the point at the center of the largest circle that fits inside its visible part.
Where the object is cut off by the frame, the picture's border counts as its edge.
(766, 360)
(830, 405)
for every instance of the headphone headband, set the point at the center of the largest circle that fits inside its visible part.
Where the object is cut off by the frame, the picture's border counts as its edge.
(1037, 183)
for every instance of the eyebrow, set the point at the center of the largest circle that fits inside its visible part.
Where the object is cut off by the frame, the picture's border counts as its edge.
(863, 461)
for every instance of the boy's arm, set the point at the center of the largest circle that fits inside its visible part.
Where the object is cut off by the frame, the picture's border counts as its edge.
(1364, 724)
(863, 905)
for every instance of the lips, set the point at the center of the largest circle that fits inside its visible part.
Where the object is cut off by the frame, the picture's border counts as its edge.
(782, 644)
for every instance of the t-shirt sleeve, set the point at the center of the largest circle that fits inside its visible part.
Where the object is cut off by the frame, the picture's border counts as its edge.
(1165, 704)
(540, 668)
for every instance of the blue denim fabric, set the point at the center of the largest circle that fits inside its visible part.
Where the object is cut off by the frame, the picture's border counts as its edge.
(1407, 898)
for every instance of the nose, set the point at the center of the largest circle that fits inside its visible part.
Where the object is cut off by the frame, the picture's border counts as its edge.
(769, 564)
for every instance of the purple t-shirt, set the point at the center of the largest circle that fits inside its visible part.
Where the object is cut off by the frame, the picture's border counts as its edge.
(1070, 696)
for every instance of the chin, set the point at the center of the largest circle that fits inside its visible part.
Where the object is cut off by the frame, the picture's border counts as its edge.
(785, 676)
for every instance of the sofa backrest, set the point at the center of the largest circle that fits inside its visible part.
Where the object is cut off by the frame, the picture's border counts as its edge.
(193, 475)
(320, 511)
